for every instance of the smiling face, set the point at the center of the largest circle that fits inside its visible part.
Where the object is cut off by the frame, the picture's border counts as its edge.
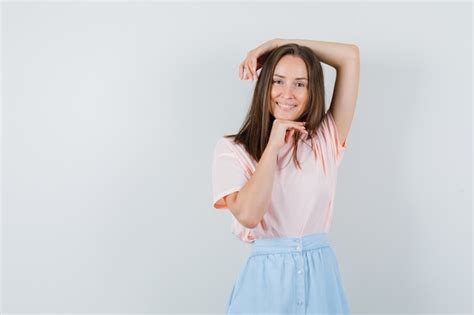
(289, 94)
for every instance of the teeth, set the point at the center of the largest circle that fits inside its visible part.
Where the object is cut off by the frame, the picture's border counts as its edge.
(286, 105)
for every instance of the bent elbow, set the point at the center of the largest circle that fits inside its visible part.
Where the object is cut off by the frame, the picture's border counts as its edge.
(248, 221)
(249, 224)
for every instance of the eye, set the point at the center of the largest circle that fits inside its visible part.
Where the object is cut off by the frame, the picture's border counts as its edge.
(274, 81)
(302, 84)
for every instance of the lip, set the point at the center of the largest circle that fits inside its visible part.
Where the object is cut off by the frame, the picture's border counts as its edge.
(284, 108)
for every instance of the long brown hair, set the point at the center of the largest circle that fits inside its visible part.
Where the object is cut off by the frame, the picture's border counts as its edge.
(255, 131)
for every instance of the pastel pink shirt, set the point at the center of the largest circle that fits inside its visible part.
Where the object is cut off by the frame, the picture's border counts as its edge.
(302, 200)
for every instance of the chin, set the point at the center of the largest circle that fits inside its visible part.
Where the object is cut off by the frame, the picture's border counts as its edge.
(285, 117)
(278, 114)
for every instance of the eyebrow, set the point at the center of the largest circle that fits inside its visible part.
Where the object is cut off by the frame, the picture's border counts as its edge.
(296, 78)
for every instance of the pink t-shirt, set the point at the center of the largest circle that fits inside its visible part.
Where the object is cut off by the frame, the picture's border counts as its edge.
(302, 200)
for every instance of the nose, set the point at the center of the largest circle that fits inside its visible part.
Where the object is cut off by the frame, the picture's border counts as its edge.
(287, 91)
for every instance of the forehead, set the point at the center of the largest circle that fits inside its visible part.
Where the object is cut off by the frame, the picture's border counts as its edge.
(291, 67)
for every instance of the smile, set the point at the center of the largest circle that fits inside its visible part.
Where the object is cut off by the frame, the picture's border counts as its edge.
(286, 106)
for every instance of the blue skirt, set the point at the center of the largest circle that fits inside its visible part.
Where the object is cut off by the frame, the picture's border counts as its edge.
(289, 275)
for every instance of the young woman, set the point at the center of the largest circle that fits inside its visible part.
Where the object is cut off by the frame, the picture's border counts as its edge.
(284, 209)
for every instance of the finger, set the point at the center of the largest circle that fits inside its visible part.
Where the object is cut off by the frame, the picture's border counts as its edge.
(255, 67)
(241, 71)
(296, 123)
(249, 72)
(303, 130)
(254, 75)
(299, 128)
(244, 71)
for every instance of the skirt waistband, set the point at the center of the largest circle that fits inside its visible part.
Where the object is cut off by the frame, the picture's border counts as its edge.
(289, 244)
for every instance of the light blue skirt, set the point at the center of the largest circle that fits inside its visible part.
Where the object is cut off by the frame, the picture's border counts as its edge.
(289, 275)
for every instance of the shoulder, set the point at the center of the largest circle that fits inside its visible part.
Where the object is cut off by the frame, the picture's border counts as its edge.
(224, 140)
(224, 144)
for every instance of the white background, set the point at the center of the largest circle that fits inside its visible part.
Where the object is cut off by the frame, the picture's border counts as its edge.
(110, 113)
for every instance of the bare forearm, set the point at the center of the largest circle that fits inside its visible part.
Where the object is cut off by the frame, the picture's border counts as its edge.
(331, 53)
(254, 197)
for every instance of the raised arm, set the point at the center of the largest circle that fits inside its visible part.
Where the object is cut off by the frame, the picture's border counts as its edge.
(331, 53)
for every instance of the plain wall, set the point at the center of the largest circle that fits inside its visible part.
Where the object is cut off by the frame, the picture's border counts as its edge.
(110, 114)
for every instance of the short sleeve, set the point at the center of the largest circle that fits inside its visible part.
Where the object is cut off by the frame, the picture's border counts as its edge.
(331, 134)
(228, 173)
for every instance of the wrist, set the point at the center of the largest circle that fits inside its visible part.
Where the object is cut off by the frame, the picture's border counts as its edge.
(271, 150)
